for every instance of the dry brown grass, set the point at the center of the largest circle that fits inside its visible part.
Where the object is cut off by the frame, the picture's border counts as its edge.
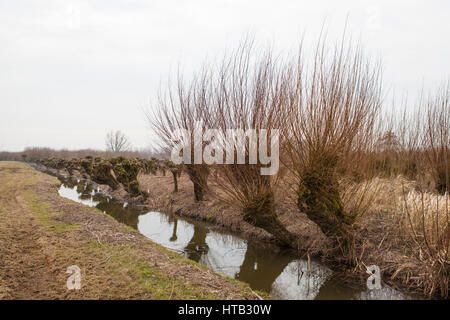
(412, 234)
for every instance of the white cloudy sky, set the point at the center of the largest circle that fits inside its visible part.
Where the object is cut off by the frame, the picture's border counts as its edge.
(73, 70)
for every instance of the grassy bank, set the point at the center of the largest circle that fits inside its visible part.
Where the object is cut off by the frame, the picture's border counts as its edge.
(43, 234)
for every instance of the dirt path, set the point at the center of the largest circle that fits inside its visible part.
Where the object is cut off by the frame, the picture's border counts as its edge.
(42, 234)
(23, 257)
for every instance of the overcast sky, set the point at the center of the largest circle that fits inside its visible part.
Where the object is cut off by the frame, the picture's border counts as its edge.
(73, 70)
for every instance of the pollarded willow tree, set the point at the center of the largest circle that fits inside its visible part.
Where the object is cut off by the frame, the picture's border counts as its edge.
(327, 118)
(177, 119)
(238, 96)
(246, 90)
(325, 109)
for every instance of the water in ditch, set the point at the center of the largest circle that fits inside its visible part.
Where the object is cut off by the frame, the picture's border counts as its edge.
(277, 272)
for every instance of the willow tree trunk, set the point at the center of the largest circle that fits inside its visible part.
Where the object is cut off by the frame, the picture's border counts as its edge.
(175, 180)
(103, 173)
(260, 212)
(198, 174)
(319, 199)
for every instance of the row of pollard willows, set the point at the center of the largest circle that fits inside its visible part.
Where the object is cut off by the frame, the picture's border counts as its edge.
(114, 171)
(327, 109)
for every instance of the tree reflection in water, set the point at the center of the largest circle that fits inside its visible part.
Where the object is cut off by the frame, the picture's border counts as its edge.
(175, 224)
(197, 246)
(261, 267)
(280, 273)
(85, 193)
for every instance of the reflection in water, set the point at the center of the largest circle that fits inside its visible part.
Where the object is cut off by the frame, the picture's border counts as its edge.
(262, 267)
(280, 273)
(86, 194)
(277, 272)
(161, 229)
(128, 215)
(197, 246)
(75, 192)
(174, 233)
(332, 289)
(300, 282)
(226, 253)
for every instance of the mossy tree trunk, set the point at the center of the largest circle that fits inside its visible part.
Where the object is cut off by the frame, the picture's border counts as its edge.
(86, 164)
(259, 208)
(175, 179)
(127, 171)
(103, 173)
(198, 174)
(260, 212)
(319, 199)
